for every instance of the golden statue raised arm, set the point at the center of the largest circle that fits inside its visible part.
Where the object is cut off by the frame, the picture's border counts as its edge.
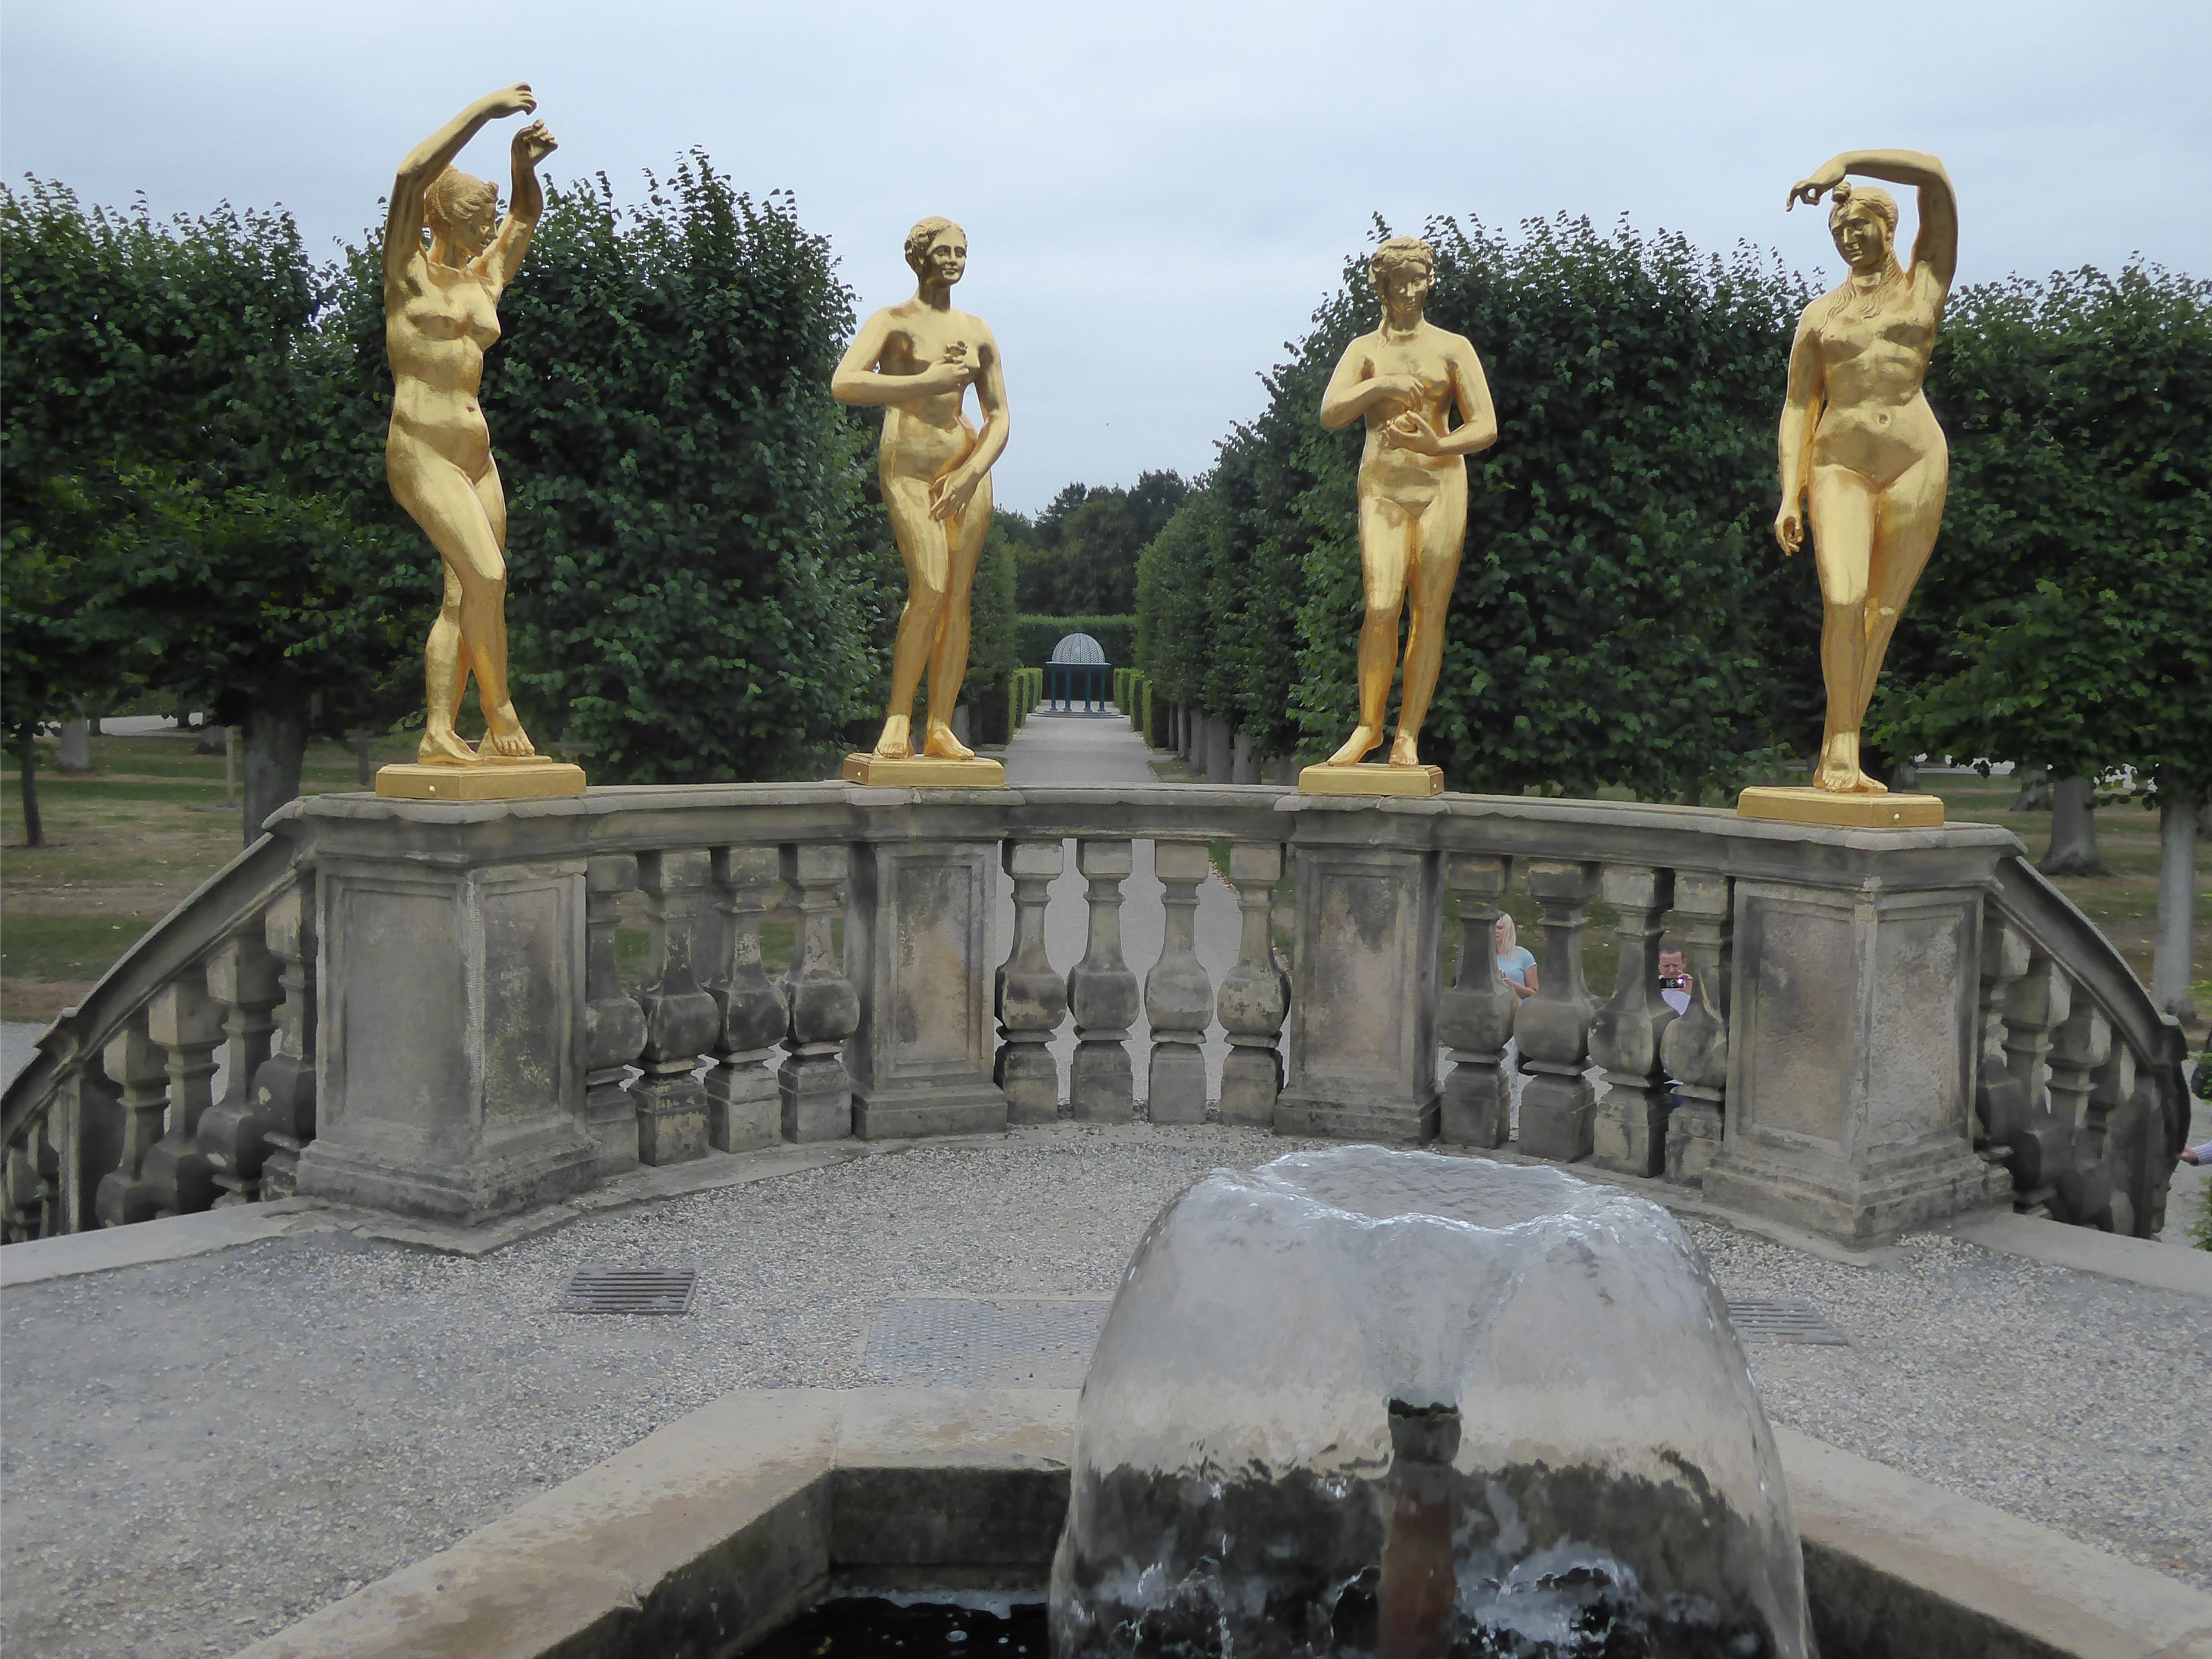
(1404, 380)
(917, 360)
(440, 314)
(1863, 463)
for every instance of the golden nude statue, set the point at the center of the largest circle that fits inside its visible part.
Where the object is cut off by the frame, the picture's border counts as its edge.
(1864, 465)
(1405, 378)
(917, 359)
(441, 314)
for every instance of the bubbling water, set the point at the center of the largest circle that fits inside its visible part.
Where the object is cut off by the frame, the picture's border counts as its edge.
(1361, 1402)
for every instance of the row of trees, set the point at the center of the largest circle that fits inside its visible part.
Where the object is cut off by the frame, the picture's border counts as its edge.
(1080, 556)
(701, 583)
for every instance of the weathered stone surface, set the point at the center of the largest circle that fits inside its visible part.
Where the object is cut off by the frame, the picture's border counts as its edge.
(817, 1090)
(1178, 995)
(1474, 1017)
(1102, 991)
(1255, 995)
(1629, 1131)
(1695, 1047)
(614, 1025)
(681, 1019)
(1553, 1026)
(1030, 998)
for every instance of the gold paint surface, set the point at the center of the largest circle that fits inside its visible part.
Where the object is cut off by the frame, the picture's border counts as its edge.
(924, 772)
(1838, 810)
(529, 780)
(1404, 380)
(1864, 465)
(916, 361)
(1331, 779)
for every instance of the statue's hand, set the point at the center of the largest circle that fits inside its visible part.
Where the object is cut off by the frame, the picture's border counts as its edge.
(1789, 527)
(949, 495)
(1394, 393)
(1413, 431)
(517, 99)
(534, 143)
(1810, 190)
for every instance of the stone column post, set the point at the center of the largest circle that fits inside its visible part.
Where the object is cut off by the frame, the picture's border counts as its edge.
(1363, 1016)
(1557, 1104)
(1101, 992)
(1694, 1050)
(284, 1087)
(2079, 1049)
(244, 978)
(1030, 998)
(187, 1026)
(614, 1025)
(816, 1091)
(1474, 1018)
(1255, 994)
(139, 1070)
(1999, 1098)
(2036, 1005)
(680, 1017)
(1178, 995)
(1630, 1133)
(743, 1104)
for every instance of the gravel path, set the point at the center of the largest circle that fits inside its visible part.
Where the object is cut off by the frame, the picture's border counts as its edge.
(198, 1452)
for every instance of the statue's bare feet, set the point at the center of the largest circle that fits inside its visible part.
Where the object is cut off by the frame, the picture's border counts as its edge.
(504, 737)
(944, 745)
(1840, 773)
(444, 748)
(1364, 738)
(1404, 751)
(894, 744)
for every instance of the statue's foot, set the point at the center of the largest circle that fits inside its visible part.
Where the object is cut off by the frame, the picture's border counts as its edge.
(943, 745)
(1846, 779)
(504, 737)
(444, 749)
(1404, 751)
(1356, 748)
(894, 744)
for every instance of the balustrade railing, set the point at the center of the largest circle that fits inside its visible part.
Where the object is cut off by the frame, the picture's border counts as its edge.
(419, 1005)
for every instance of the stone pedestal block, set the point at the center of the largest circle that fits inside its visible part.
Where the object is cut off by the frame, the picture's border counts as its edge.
(450, 1067)
(917, 946)
(1364, 986)
(1853, 1036)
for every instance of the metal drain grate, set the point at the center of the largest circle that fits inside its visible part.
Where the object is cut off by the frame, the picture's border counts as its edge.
(1782, 1319)
(947, 1340)
(631, 1290)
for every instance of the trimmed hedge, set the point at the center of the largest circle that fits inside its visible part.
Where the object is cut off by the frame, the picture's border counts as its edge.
(1116, 636)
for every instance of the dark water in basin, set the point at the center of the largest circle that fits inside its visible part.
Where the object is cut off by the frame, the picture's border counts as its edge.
(868, 1627)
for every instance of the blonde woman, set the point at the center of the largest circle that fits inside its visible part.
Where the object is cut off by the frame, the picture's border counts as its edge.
(1517, 966)
(1863, 463)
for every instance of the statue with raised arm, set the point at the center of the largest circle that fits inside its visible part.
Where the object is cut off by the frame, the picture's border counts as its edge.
(1864, 465)
(917, 359)
(441, 313)
(1404, 380)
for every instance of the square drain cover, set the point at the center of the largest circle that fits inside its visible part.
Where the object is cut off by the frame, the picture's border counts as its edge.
(631, 1290)
(1782, 1319)
(947, 1340)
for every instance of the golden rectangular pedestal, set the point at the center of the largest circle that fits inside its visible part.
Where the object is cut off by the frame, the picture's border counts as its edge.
(1370, 779)
(1891, 812)
(493, 781)
(924, 772)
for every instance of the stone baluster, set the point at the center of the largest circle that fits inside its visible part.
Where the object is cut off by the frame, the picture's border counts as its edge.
(1474, 1017)
(2079, 1048)
(1029, 997)
(2036, 1006)
(1178, 995)
(1999, 1098)
(284, 1085)
(825, 1009)
(244, 978)
(139, 1070)
(187, 1026)
(614, 1025)
(743, 1106)
(680, 1017)
(1255, 994)
(1694, 1048)
(1559, 1103)
(30, 1191)
(1630, 1133)
(1101, 992)
(2120, 1122)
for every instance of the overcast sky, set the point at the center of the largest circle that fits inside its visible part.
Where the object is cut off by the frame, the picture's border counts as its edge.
(1156, 195)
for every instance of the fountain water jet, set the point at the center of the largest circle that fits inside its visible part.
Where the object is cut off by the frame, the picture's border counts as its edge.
(1363, 1402)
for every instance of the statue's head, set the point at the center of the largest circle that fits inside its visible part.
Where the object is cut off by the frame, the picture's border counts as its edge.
(462, 210)
(1863, 221)
(936, 249)
(1404, 270)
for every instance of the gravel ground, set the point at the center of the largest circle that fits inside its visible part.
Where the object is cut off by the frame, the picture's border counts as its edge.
(198, 1452)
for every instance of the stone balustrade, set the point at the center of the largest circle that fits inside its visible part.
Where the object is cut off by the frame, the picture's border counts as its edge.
(421, 1006)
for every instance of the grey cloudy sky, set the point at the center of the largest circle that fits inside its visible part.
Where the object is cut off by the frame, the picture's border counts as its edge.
(1156, 195)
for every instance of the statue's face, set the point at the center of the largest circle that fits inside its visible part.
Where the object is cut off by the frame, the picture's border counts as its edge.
(1861, 237)
(474, 220)
(1406, 288)
(946, 262)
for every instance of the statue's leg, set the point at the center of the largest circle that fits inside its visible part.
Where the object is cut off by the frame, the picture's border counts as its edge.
(1843, 516)
(921, 544)
(1385, 534)
(503, 732)
(1907, 515)
(440, 498)
(1437, 537)
(948, 663)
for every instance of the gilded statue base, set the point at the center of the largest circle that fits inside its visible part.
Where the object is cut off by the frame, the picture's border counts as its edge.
(1371, 779)
(924, 772)
(529, 780)
(1891, 812)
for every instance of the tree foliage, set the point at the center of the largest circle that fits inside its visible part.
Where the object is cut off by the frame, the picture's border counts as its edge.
(1081, 558)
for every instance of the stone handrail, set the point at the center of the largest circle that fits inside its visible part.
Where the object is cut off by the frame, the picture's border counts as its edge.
(1886, 1027)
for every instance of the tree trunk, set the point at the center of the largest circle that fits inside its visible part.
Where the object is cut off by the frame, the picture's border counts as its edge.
(275, 745)
(75, 754)
(2034, 792)
(1905, 776)
(2073, 831)
(2177, 902)
(26, 757)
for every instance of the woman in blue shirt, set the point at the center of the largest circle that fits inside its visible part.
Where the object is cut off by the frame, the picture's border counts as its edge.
(1515, 964)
